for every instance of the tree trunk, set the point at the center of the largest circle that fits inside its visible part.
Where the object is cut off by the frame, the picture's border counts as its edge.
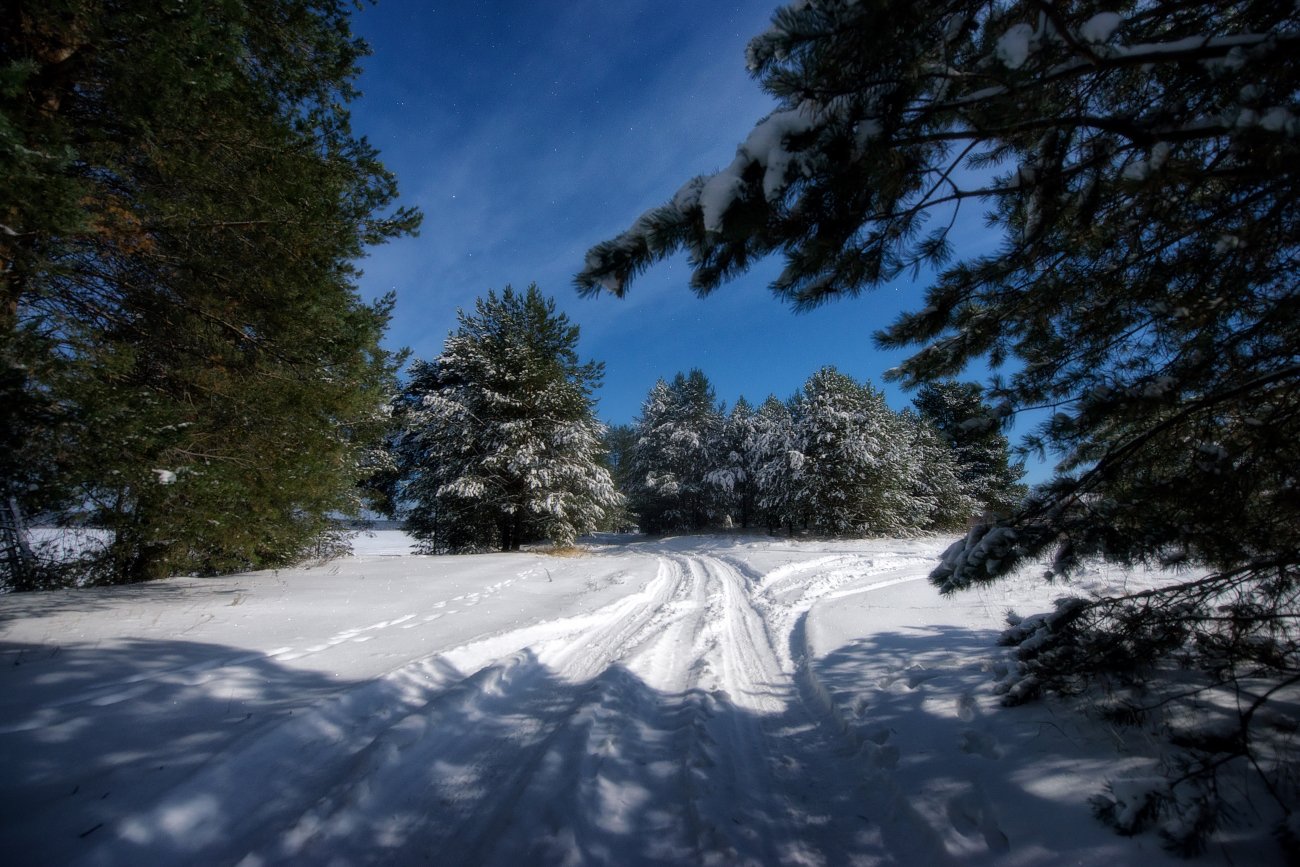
(17, 556)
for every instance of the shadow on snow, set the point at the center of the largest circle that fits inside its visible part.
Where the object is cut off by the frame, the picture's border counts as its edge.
(171, 752)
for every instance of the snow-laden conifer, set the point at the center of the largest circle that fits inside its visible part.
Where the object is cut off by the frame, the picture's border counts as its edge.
(501, 446)
(982, 453)
(778, 465)
(936, 497)
(852, 479)
(678, 433)
(735, 471)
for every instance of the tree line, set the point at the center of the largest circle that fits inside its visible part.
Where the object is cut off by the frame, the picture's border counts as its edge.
(833, 459)
(497, 444)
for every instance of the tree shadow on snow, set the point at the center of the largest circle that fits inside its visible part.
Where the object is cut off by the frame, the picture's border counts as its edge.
(995, 782)
(178, 752)
(84, 728)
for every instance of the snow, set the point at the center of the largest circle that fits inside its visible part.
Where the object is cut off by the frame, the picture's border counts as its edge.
(715, 699)
(766, 146)
(1014, 46)
(1100, 27)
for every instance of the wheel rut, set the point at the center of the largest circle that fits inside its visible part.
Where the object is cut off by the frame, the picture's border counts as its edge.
(678, 724)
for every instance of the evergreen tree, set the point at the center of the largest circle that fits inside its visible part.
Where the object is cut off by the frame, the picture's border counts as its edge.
(852, 479)
(185, 358)
(501, 445)
(736, 470)
(619, 441)
(678, 433)
(1141, 163)
(779, 465)
(937, 496)
(988, 475)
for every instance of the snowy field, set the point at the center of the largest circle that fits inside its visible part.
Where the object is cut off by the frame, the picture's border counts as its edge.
(704, 700)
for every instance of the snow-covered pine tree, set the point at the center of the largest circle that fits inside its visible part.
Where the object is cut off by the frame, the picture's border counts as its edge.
(936, 496)
(677, 433)
(982, 452)
(1141, 162)
(501, 445)
(852, 479)
(619, 440)
(735, 472)
(779, 464)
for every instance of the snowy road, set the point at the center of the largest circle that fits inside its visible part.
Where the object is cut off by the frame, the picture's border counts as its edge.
(682, 702)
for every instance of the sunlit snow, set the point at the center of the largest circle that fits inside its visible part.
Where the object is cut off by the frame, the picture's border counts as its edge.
(715, 700)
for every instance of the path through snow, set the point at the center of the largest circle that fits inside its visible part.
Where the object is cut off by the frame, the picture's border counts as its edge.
(681, 702)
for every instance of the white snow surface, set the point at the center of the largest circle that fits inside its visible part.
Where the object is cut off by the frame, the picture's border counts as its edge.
(1015, 45)
(702, 700)
(1100, 27)
(766, 146)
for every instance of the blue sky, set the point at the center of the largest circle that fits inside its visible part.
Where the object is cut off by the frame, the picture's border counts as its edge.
(529, 131)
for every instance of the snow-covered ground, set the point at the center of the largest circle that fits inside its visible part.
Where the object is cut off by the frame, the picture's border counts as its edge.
(705, 700)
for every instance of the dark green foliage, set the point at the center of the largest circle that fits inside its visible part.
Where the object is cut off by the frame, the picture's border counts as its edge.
(500, 445)
(863, 469)
(849, 480)
(181, 201)
(982, 452)
(778, 459)
(619, 440)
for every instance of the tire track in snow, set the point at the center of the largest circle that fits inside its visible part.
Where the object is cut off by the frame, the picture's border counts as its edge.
(668, 728)
(339, 760)
(477, 746)
(797, 787)
(678, 724)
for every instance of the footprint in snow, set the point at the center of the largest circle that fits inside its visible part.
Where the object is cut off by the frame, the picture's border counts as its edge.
(972, 816)
(966, 707)
(980, 744)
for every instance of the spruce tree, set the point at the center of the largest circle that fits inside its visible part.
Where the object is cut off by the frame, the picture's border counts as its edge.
(937, 496)
(501, 445)
(779, 465)
(852, 479)
(619, 441)
(678, 433)
(735, 471)
(181, 202)
(1139, 163)
(982, 452)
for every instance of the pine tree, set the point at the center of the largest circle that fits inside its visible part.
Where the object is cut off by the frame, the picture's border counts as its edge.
(988, 475)
(779, 465)
(501, 446)
(678, 433)
(181, 201)
(852, 479)
(938, 498)
(1140, 162)
(735, 472)
(619, 441)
